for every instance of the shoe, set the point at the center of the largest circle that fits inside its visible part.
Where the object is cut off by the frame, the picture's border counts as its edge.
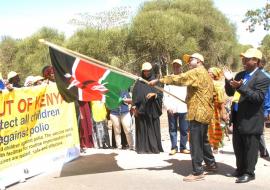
(83, 150)
(132, 148)
(185, 151)
(106, 147)
(173, 152)
(211, 168)
(245, 178)
(234, 174)
(125, 147)
(192, 178)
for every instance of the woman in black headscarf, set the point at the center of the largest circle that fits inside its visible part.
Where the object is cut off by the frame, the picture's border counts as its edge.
(148, 107)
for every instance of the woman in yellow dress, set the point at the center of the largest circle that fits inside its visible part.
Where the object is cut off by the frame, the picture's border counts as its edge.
(215, 131)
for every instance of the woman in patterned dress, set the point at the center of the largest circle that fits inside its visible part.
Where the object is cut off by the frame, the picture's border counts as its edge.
(215, 131)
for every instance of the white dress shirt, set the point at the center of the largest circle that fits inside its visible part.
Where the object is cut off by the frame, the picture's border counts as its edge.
(172, 103)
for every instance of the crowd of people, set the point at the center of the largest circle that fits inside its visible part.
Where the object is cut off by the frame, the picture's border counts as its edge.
(206, 110)
(13, 79)
(204, 103)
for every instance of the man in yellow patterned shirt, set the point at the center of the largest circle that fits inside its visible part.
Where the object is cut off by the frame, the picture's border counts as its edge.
(200, 111)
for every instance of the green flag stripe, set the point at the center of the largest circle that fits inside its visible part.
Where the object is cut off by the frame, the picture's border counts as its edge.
(115, 83)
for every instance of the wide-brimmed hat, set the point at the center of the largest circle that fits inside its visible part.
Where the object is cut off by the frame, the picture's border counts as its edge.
(11, 74)
(146, 66)
(187, 57)
(177, 61)
(252, 52)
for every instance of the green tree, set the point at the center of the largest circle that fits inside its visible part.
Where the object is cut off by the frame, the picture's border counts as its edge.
(109, 46)
(258, 17)
(8, 50)
(91, 42)
(265, 48)
(166, 29)
(161, 31)
(32, 56)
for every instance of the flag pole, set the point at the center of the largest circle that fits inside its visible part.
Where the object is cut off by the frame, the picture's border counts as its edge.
(103, 65)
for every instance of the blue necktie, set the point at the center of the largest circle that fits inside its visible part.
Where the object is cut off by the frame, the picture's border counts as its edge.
(246, 78)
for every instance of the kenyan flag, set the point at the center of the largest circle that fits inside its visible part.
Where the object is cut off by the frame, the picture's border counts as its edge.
(82, 80)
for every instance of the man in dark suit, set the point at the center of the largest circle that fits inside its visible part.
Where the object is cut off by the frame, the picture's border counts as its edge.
(248, 88)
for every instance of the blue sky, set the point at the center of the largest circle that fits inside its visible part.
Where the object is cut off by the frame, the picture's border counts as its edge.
(21, 18)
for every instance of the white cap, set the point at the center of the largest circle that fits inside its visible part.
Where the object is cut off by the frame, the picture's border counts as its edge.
(177, 61)
(146, 66)
(187, 57)
(11, 74)
(29, 81)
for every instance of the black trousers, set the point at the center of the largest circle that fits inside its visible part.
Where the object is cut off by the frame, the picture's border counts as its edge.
(262, 147)
(246, 148)
(200, 147)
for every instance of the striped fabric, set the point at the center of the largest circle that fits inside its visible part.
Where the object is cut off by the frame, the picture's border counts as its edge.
(215, 132)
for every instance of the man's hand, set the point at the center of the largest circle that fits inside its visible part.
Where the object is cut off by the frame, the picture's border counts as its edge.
(153, 82)
(9, 87)
(134, 111)
(150, 95)
(170, 111)
(227, 73)
(127, 100)
(236, 84)
(225, 116)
